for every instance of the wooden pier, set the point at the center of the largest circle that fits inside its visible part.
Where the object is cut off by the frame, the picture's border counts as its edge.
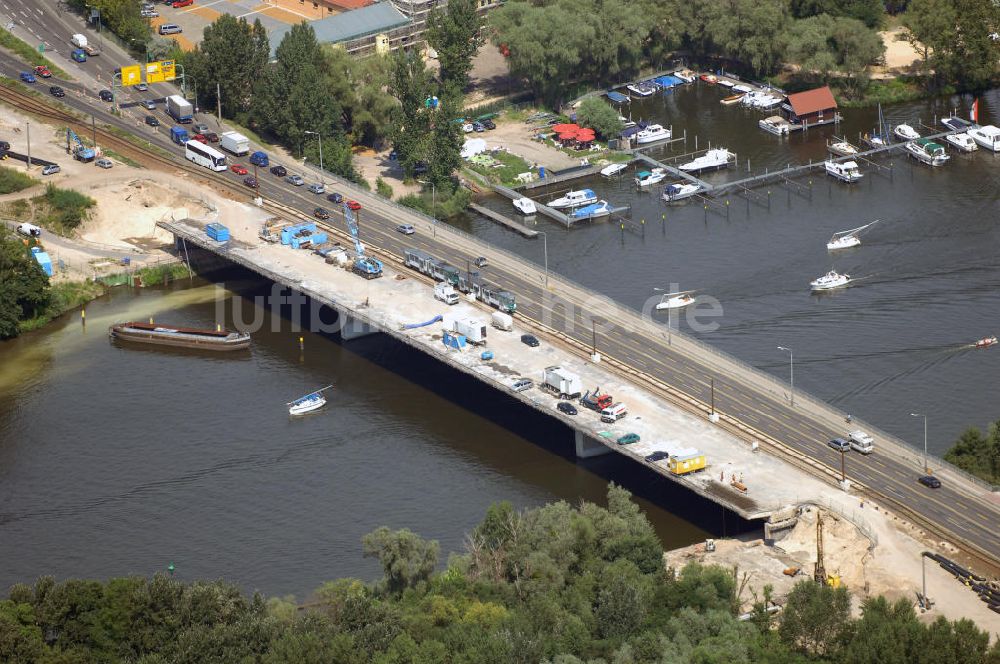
(561, 176)
(506, 222)
(542, 209)
(673, 170)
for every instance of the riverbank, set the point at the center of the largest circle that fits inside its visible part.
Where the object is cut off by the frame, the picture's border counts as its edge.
(64, 297)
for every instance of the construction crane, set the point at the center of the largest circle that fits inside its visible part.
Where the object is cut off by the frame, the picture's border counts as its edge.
(366, 266)
(832, 580)
(81, 152)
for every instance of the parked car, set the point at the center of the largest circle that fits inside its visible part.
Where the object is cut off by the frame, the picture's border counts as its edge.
(467, 127)
(529, 340)
(27, 77)
(393, 156)
(149, 104)
(279, 171)
(405, 229)
(478, 127)
(170, 29)
(212, 137)
(141, 87)
(251, 182)
(840, 445)
(489, 124)
(335, 198)
(4, 146)
(149, 13)
(177, 4)
(43, 71)
(316, 188)
(200, 128)
(521, 384)
(104, 162)
(480, 261)
(51, 169)
(658, 455)
(200, 138)
(354, 205)
(321, 213)
(152, 121)
(295, 180)
(106, 95)
(930, 481)
(629, 439)
(566, 407)
(29, 229)
(239, 169)
(56, 91)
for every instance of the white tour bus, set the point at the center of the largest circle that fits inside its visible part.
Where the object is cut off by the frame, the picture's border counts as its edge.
(204, 155)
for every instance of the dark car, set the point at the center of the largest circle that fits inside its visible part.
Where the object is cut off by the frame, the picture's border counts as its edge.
(930, 481)
(480, 261)
(321, 213)
(56, 91)
(840, 445)
(27, 77)
(529, 340)
(251, 182)
(489, 124)
(659, 455)
(4, 146)
(335, 198)
(279, 171)
(566, 407)
(354, 205)
(106, 95)
(152, 121)
(393, 156)
(212, 137)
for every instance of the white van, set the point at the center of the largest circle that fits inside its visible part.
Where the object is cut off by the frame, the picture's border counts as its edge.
(502, 321)
(445, 293)
(861, 442)
(614, 413)
(29, 229)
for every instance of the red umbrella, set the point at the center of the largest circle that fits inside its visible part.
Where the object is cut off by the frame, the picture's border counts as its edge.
(567, 136)
(584, 134)
(565, 128)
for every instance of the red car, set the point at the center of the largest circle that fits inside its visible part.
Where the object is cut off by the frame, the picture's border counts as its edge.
(182, 3)
(239, 169)
(200, 138)
(354, 205)
(43, 71)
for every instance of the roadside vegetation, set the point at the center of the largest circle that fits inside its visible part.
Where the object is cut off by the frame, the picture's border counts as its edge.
(58, 210)
(978, 453)
(63, 296)
(29, 54)
(556, 584)
(13, 181)
(154, 275)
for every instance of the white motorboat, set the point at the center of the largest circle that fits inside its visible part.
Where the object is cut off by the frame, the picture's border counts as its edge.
(986, 342)
(641, 89)
(308, 403)
(846, 171)
(849, 238)
(842, 148)
(739, 87)
(598, 209)
(988, 137)
(646, 178)
(927, 151)
(906, 132)
(525, 206)
(956, 123)
(714, 158)
(830, 280)
(613, 170)
(687, 77)
(776, 125)
(962, 142)
(575, 199)
(675, 300)
(725, 83)
(731, 99)
(679, 191)
(652, 133)
(759, 99)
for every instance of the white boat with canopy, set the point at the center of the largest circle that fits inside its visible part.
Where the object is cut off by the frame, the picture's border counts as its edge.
(849, 238)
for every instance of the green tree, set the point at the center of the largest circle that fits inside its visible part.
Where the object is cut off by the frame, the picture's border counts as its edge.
(825, 44)
(24, 286)
(816, 618)
(232, 55)
(976, 453)
(368, 105)
(455, 32)
(411, 85)
(750, 31)
(869, 12)
(623, 594)
(951, 36)
(122, 17)
(406, 558)
(599, 115)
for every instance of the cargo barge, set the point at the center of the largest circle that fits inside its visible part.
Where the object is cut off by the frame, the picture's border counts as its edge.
(183, 337)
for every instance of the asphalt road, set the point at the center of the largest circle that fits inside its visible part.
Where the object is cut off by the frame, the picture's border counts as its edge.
(959, 512)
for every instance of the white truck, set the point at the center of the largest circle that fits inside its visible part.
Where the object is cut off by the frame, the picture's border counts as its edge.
(80, 41)
(445, 293)
(180, 109)
(502, 321)
(473, 329)
(614, 413)
(234, 142)
(559, 381)
(861, 442)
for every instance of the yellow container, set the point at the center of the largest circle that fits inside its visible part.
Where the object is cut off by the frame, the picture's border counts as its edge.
(687, 463)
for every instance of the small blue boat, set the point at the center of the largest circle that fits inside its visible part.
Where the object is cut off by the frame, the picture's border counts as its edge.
(618, 97)
(598, 209)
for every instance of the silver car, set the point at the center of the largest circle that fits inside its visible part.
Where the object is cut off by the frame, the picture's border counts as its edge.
(51, 169)
(521, 384)
(296, 180)
(317, 188)
(104, 162)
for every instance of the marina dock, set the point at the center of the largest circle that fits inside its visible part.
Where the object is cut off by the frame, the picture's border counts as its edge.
(673, 170)
(506, 222)
(561, 176)
(543, 209)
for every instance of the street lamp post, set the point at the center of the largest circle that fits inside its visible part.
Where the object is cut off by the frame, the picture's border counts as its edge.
(319, 138)
(791, 372)
(926, 469)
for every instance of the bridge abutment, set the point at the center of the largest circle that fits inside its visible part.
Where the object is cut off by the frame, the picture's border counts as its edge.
(587, 447)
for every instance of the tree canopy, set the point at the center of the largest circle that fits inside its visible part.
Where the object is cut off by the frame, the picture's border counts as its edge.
(978, 454)
(24, 286)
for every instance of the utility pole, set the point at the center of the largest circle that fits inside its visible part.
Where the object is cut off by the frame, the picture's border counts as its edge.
(27, 128)
(218, 101)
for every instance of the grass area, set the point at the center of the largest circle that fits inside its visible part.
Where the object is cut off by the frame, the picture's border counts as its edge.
(58, 210)
(65, 296)
(137, 141)
(120, 157)
(446, 208)
(893, 91)
(510, 165)
(161, 274)
(26, 51)
(12, 181)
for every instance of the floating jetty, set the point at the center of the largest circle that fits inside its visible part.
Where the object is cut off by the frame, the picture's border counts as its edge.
(507, 222)
(542, 209)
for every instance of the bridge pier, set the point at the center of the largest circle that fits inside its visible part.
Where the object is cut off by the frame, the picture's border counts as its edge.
(351, 328)
(587, 447)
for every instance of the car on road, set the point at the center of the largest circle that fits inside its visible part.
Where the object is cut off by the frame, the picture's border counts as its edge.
(321, 213)
(529, 340)
(104, 162)
(27, 77)
(239, 169)
(354, 205)
(335, 198)
(56, 91)
(840, 445)
(629, 439)
(29, 229)
(4, 146)
(405, 229)
(149, 104)
(861, 442)
(51, 169)
(106, 95)
(152, 121)
(170, 29)
(200, 128)
(78, 55)
(212, 137)
(141, 87)
(658, 455)
(521, 384)
(149, 13)
(566, 407)
(480, 261)
(930, 481)
(317, 188)
(279, 171)
(43, 71)
(295, 180)
(200, 138)
(177, 4)
(251, 182)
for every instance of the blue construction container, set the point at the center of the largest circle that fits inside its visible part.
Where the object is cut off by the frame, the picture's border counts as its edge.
(43, 259)
(288, 232)
(217, 232)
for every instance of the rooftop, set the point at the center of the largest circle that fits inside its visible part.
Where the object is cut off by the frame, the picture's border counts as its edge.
(812, 101)
(371, 20)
